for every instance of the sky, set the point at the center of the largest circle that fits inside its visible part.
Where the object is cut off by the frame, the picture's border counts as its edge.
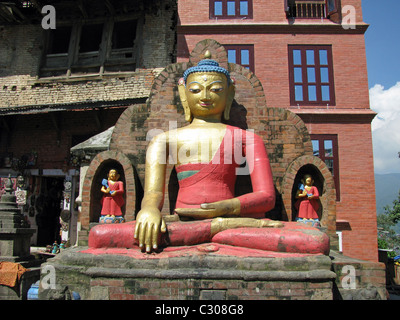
(382, 41)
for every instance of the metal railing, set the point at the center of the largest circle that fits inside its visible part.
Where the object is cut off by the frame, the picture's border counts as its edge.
(307, 9)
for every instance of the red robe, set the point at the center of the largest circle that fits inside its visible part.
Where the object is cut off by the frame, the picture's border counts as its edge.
(215, 181)
(112, 204)
(308, 208)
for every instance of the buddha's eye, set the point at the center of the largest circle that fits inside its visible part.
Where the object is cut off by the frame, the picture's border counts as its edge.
(216, 90)
(194, 90)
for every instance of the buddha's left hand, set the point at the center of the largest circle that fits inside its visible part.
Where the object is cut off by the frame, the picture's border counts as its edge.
(230, 207)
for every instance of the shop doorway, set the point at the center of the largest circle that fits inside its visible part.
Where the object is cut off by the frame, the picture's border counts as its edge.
(48, 209)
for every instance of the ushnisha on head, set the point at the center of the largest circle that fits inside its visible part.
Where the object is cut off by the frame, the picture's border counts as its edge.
(207, 65)
(206, 77)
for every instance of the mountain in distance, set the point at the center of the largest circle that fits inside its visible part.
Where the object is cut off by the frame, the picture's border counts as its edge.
(387, 187)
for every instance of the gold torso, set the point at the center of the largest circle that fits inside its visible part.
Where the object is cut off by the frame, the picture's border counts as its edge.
(195, 143)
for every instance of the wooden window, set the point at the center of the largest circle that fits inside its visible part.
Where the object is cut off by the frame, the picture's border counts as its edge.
(58, 41)
(231, 9)
(241, 54)
(124, 34)
(325, 146)
(311, 75)
(91, 48)
(90, 37)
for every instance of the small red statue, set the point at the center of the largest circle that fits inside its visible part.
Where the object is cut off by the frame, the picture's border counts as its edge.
(307, 200)
(112, 200)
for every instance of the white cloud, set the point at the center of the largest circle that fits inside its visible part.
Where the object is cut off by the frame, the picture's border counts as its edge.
(386, 128)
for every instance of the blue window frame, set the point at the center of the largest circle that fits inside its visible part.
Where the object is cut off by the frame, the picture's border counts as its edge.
(231, 9)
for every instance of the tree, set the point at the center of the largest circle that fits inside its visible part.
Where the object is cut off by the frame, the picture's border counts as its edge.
(387, 237)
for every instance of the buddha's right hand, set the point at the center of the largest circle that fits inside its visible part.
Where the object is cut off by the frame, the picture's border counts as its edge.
(149, 224)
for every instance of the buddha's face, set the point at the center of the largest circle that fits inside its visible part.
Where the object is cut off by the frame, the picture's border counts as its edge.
(113, 175)
(309, 181)
(207, 93)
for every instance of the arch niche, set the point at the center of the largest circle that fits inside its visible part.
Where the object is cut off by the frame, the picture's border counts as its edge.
(323, 180)
(97, 171)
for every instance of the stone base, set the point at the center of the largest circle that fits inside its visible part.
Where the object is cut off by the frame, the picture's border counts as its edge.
(15, 242)
(358, 279)
(200, 272)
(20, 291)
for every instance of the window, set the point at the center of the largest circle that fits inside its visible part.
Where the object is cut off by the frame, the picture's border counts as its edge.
(241, 54)
(94, 48)
(90, 37)
(311, 75)
(326, 148)
(231, 9)
(124, 34)
(312, 9)
(58, 41)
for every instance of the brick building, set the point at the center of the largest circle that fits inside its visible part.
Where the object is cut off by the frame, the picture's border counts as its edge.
(314, 65)
(59, 87)
(55, 95)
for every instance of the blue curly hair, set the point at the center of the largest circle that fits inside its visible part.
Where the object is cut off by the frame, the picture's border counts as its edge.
(207, 65)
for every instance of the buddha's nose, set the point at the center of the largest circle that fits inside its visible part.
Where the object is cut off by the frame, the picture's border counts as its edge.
(205, 95)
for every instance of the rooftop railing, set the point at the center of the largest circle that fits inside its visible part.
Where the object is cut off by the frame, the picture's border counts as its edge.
(307, 9)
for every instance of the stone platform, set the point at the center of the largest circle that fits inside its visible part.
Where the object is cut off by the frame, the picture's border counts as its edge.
(203, 272)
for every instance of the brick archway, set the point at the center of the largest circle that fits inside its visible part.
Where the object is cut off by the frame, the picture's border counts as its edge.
(326, 188)
(91, 194)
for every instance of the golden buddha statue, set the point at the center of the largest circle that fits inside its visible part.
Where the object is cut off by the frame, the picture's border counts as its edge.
(208, 155)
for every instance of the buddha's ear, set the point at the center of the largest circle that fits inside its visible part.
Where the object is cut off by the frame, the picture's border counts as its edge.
(229, 100)
(182, 95)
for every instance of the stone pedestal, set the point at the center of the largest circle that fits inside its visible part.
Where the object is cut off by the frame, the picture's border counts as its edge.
(203, 272)
(14, 234)
(211, 272)
(15, 245)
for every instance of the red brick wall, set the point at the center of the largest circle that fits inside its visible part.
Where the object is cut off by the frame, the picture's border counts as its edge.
(351, 90)
(271, 11)
(263, 11)
(271, 63)
(357, 186)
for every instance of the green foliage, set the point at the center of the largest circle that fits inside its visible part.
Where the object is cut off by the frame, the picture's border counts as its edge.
(394, 211)
(387, 238)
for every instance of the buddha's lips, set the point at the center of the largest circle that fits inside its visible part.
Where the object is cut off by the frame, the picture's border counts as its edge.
(206, 105)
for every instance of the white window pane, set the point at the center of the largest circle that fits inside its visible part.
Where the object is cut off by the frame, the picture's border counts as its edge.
(310, 57)
(231, 8)
(218, 8)
(312, 93)
(325, 93)
(328, 146)
(232, 56)
(331, 5)
(311, 75)
(244, 8)
(315, 146)
(324, 75)
(245, 57)
(323, 57)
(298, 93)
(298, 76)
(297, 57)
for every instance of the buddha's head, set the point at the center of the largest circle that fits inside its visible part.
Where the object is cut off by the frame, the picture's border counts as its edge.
(113, 175)
(308, 180)
(206, 91)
